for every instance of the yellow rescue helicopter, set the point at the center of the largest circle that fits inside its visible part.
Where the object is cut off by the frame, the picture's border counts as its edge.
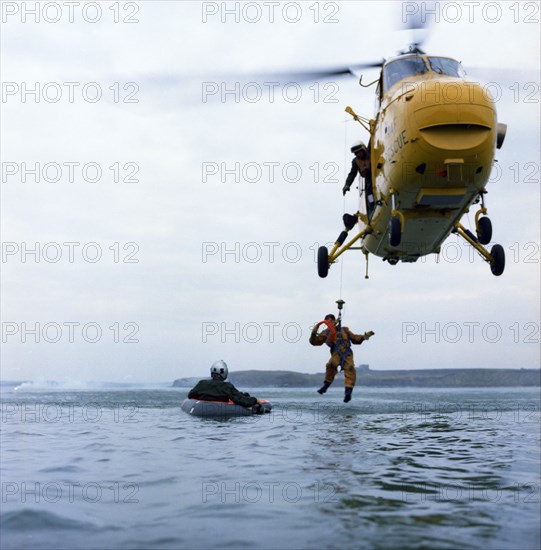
(431, 149)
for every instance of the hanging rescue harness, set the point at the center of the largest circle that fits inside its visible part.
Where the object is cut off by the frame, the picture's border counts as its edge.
(335, 336)
(336, 341)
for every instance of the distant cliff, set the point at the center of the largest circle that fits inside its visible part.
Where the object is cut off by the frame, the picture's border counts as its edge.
(421, 378)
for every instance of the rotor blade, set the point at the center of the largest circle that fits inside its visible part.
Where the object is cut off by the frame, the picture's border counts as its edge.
(297, 75)
(414, 14)
(170, 80)
(504, 76)
(303, 75)
(189, 88)
(414, 20)
(294, 75)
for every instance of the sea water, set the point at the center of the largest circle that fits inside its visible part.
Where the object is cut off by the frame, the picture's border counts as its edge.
(124, 467)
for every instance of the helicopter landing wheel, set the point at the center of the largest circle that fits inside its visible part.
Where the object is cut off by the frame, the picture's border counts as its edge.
(497, 264)
(395, 231)
(484, 230)
(322, 261)
(393, 260)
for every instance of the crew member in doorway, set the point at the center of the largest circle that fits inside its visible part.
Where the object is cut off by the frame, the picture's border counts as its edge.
(361, 165)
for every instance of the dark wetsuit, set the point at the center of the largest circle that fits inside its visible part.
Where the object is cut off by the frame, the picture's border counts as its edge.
(352, 174)
(218, 390)
(367, 184)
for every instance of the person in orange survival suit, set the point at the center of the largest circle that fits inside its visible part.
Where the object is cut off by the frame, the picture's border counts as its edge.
(339, 340)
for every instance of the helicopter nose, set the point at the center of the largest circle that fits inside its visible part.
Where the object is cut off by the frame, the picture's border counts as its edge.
(454, 114)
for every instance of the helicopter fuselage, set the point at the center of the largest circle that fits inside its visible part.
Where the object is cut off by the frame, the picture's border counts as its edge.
(432, 151)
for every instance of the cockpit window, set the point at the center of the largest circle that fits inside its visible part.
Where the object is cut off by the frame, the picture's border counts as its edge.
(402, 68)
(447, 66)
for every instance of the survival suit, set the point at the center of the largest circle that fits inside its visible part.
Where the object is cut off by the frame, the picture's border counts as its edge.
(339, 340)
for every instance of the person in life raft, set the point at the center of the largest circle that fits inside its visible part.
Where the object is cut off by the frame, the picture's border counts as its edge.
(217, 389)
(339, 340)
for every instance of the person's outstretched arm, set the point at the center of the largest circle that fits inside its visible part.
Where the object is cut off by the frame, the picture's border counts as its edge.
(351, 177)
(358, 338)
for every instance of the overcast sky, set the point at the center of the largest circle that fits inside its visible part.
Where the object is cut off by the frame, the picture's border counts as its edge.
(175, 259)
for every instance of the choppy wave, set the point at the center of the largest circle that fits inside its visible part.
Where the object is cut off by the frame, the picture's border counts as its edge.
(126, 468)
(41, 520)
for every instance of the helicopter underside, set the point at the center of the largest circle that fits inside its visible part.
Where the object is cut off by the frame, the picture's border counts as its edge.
(424, 231)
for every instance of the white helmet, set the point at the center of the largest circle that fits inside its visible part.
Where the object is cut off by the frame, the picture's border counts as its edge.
(219, 368)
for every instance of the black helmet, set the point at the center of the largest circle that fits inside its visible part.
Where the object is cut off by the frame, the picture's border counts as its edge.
(330, 316)
(358, 147)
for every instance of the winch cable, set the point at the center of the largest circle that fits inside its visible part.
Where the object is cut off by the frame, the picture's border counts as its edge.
(346, 121)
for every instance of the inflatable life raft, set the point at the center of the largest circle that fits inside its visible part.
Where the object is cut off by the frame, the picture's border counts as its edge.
(197, 407)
